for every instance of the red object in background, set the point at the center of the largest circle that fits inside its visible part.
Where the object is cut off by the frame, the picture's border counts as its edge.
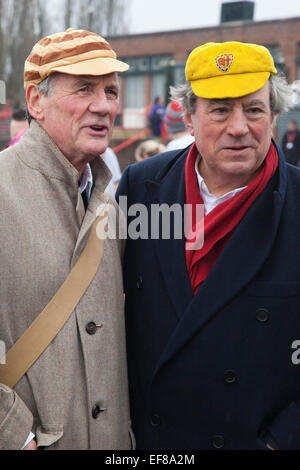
(164, 133)
(17, 137)
(128, 142)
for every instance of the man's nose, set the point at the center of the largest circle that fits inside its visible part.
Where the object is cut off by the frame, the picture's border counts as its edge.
(237, 124)
(99, 103)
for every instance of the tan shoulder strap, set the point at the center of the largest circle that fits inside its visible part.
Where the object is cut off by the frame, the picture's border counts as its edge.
(45, 327)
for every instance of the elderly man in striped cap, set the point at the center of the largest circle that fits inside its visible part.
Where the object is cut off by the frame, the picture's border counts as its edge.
(65, 386)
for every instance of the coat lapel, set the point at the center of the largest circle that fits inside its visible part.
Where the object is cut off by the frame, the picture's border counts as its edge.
(56, 166)
(169, 188)
(101, 177)
(240, 261)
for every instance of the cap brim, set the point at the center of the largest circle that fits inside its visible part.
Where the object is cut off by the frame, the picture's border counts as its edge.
(98, 66)
(229, 86)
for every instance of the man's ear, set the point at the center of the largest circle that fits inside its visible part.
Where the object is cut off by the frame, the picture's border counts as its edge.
(273, 119)
(35, 102)
(189, 123)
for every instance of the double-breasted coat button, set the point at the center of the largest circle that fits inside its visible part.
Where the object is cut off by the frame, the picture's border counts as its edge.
(97, 409)
(139, 282)
(262, 315)
(218, 442)
(155, 420)
(91, 328)
(230, 376)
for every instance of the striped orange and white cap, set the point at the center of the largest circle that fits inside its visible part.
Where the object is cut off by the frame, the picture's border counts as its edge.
(75, 52)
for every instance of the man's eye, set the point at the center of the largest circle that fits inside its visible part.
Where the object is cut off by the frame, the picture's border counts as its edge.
(220, 111)
(112, 92)
(254, 110)
(83, 88)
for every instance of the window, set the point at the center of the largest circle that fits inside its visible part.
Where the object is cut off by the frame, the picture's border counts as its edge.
(137, 64)
(148, 64)
(158, 86)
(135, 91)
(179, 74)
(277, 57)
(160, 62)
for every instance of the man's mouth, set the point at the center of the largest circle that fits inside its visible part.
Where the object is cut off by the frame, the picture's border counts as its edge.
(98, 130)
(241, 147)
(98, 127)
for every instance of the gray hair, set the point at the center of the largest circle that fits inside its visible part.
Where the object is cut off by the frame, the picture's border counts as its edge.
(185, 97)
(45, 87)
(280, 95)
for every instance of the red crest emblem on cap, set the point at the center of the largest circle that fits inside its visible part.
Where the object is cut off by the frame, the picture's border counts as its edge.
(224, 62)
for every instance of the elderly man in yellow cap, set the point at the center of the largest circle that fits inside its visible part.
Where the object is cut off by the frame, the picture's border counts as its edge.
(64, 377)
(213, 323)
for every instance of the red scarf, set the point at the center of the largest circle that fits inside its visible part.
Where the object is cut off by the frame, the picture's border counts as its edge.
(222, 220)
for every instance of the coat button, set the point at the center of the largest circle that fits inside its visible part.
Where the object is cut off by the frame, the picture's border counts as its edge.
(155, 420)
(218, 442)
(91, 328)
(262, 315)
(230, 376)
(97, 410)
(139, 282)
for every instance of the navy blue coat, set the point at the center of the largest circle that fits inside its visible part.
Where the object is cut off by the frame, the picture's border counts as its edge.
(215, 370)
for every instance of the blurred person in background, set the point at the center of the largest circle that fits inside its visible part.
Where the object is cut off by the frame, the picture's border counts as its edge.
(181, 137)
(291, 144)
(18, 126)
(156, 115)
(147, 149)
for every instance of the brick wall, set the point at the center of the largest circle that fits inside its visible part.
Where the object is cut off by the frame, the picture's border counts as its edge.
(285, 32)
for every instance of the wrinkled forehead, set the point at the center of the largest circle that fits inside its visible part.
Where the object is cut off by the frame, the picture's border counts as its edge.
(94, 79)
(260, 97)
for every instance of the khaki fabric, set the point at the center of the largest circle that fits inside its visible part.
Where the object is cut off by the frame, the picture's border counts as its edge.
(43, 230)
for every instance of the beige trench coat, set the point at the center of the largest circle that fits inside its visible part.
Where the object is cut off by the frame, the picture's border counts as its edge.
(43, 230)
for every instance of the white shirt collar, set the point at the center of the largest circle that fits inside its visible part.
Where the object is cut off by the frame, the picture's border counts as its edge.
(86, 181)
(211, 201)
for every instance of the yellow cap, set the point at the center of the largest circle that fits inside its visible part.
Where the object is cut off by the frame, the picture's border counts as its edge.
(228, 69)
